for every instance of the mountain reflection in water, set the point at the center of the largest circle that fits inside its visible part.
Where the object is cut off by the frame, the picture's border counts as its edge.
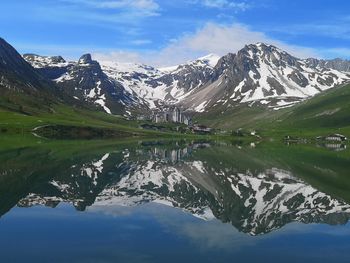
(210, 180)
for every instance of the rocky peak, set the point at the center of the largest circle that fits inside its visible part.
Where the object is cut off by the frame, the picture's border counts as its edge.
(261, 52)
(85, 59)
(58, 59)
(210, 60)
(38, 61)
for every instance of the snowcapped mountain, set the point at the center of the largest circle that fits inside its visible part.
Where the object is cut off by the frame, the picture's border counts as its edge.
(265, 75)
(45, 61)
(207, 61)
(259, 74)
(123, 86)
(162, 86)
(84, 80)
(139, 80)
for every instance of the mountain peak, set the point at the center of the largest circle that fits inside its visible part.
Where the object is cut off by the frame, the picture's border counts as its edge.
(210, 59)
(38, 61)
(261, 46)
(85, 59)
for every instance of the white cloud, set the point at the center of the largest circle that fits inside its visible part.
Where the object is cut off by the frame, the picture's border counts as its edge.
(143, 7)
(237, 6)
(220, 39)
(224, 4)
(213, 38)
(140, 42)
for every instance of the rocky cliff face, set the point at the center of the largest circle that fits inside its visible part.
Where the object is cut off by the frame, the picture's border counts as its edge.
(263, 74)
(165, 86)
(84, 80)
(22, 88)
(259, 74)
(18, 75)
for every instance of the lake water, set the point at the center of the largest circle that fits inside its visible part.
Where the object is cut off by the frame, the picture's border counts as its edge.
(174, 202)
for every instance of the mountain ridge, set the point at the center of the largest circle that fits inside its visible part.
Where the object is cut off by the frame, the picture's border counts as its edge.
(258, 73)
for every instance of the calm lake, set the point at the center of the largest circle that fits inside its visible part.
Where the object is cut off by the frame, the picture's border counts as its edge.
(168, 201)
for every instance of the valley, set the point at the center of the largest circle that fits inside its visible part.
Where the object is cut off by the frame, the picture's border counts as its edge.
(260, 88)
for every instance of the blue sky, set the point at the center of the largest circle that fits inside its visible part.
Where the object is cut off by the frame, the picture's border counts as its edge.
(166, 32)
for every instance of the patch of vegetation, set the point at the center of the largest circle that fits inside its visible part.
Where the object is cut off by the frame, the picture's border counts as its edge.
(327, 112)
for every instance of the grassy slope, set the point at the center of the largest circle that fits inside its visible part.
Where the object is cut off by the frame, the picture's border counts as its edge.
(325, 113)
(14, 122)
(233, 118)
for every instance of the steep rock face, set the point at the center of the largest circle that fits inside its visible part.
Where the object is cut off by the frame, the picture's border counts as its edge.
(84, 80)
(139, 80)
(158, 87)
(22, 88)
(259, 74)
(16, 74)
(263, 74)
(191, 75)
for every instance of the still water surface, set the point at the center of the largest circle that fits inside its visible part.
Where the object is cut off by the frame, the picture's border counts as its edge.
(174, 202)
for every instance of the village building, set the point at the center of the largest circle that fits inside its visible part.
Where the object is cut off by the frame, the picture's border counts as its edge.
(335, 137)
(201, 129)
(174, 115)
(335, 146)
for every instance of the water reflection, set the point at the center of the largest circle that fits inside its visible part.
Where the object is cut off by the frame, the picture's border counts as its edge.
(337, 147)
(239, 185)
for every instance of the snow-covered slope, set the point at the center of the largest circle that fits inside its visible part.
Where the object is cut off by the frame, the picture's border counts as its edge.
(258, 74)
(139, 80)
(84, 80)
(263, 74)
(45, 61)
(161, 86)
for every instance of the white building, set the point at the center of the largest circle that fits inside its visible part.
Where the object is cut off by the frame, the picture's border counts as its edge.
(172, 115)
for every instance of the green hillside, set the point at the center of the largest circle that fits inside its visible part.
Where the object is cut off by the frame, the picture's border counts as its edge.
(15, 122)
(325, 113)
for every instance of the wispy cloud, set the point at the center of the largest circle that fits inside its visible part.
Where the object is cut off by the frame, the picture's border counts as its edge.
(142, 7)
(221, 39)
(223, 4)
(126, 17)
(139, 42)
